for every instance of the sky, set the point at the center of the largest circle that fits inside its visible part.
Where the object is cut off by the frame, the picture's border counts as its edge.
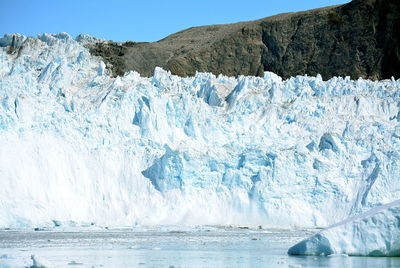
(122, 20)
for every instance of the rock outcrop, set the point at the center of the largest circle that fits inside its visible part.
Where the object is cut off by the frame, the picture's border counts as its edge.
(358, 39)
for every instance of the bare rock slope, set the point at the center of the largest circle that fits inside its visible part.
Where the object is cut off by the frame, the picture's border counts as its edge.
(358, 39)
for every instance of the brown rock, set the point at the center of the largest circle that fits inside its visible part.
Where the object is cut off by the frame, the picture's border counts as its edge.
(358, 39)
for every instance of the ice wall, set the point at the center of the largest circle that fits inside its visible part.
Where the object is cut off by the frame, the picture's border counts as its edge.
(80, 147)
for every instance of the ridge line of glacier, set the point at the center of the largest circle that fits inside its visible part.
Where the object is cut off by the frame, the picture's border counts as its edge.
(78, 146)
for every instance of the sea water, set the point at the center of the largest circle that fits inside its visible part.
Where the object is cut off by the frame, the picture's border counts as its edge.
(207, 246)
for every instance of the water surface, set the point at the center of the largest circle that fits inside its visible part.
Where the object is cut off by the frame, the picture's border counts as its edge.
(168, 247)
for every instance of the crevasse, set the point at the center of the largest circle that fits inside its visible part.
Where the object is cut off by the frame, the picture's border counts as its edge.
(78, 146)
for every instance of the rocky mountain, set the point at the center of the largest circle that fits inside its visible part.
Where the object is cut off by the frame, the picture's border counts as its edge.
(358, 39)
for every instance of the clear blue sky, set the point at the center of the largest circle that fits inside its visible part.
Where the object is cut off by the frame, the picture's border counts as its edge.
(122, 20)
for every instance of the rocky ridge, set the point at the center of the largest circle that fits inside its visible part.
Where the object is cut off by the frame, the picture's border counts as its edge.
(358, 39)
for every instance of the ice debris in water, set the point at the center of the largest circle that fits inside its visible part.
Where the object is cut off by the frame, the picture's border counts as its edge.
(39, 262)
(373, 233)
(80, 146)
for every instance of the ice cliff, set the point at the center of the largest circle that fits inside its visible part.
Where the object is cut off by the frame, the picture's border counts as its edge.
(373, 233)
(80, 147)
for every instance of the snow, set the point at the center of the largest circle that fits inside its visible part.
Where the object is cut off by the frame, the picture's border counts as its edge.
(79, 147)
(372, 233)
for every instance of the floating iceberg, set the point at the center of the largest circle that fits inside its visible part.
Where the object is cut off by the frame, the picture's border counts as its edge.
(39, 262)
(373, 233)
(80, 147)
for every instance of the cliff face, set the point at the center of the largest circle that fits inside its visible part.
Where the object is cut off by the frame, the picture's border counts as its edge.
(358, 39)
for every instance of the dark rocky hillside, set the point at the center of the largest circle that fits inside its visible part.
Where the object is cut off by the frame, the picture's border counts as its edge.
(358, 39)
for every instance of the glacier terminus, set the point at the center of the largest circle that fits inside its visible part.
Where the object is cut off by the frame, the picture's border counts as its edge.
(80, 147)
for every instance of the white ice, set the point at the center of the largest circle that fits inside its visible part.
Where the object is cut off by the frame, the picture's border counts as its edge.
(372, 233)
(78, 147)
(39, 262)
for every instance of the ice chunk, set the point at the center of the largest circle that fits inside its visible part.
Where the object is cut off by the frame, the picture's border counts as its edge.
(13, 40)
(210, 94)
(373, 233)
(87, 39)
(327, 141)
(39, 262)
(165, 173)
(102, 69)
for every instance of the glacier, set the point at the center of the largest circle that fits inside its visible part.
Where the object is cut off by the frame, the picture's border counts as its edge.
(80, 147)
(372, 233)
